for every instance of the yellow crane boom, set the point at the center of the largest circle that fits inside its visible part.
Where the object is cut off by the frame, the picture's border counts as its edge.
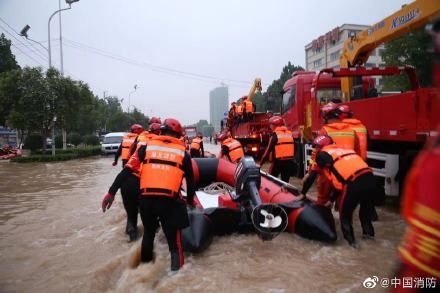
(256, 86)
(358, 48)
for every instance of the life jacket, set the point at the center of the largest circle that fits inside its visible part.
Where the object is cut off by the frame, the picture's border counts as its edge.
(361, 136)
(195, 144)
(235, 149)
(248, 107)
(347, 166)
(127, 142)
(162, 169)
(341, 133)
(420, 248)
(239, 109)
(134, 163)
(284, 149)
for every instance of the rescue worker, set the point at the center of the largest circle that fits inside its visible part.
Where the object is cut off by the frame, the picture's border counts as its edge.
(346, 116)
(231, 115)
(353, 180)
(248, 108)
(165, 164)
(282, 149)
(231, 149)
(420, 247)
(340, 132)
(239, 108)
(196, 148)
(126, 144)
(128, 181)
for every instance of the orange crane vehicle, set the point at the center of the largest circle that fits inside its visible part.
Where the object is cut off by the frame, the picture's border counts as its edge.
(398, 124)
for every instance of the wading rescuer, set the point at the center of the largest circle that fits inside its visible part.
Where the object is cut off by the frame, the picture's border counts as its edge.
(196, 148)
(352, 180)
(282, 149)
(420, 247)
(231, 149)
(360, 131)
(340, 132)
(165, 164)
(126, 144)
(128, 181)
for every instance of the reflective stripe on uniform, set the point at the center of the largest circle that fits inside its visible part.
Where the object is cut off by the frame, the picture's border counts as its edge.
(165, 149)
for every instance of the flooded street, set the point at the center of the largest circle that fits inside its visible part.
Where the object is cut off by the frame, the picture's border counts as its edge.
(55, 238)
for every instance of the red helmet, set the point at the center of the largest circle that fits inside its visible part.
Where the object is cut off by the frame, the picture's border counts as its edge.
(155, 128)
(222, 136)
(136, 128)
(343, 111)
(321, 141)
(155, 120)
(276, 121)
(244, 97)
(173, 125)
(328, 111)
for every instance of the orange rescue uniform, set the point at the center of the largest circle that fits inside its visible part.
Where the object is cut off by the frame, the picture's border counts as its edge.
(284, 148)
(341, 133)
(134, 163)
(162, 170)
(360, 136)
(127, 142)
(235, 149)
(248, 106)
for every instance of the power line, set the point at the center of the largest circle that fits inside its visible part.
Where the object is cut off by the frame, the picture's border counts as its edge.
(150, 66)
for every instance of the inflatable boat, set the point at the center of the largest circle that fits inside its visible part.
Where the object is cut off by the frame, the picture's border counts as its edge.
(241, 198)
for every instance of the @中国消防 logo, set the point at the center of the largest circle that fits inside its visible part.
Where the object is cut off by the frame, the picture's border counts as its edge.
(370, 282)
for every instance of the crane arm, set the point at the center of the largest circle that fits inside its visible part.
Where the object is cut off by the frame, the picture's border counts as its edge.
(256, 86)
(357, 49)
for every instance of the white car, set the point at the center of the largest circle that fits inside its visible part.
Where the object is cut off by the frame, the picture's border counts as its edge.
(111, 142)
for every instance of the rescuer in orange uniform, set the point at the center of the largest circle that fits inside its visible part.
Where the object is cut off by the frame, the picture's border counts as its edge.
(126, 144)
(231, 115)
(239, 108)
(420, 247)
(353, 180)
(361, 136)
(231, 149)
(165, 164)
(128, 181)
(340, 132)
(196, 148)
(248, 108)
(282, 148)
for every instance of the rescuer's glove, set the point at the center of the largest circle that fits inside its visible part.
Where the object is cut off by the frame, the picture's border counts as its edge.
(114, 163)
(107, 201)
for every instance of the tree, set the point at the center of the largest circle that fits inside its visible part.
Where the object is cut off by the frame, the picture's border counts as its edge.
(273, 94)
(410, 49)
(7, 59)
(10, 93)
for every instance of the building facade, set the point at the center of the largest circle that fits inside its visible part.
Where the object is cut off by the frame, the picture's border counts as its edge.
(218, 106)
(324, 51)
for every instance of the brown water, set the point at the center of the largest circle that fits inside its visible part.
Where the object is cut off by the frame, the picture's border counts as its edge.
(55, 238)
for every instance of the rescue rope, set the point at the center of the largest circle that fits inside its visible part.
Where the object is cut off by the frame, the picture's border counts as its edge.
(218, 187)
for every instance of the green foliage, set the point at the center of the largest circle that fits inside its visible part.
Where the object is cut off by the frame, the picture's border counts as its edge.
(91, 140)
(74, 138)
(273, 95)
(7, 59)
(61, 155)
(59, 141)
(410, 49)
(33, 142)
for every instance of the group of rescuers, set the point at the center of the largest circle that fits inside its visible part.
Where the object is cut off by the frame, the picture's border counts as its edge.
(156, 161)
(241, 110)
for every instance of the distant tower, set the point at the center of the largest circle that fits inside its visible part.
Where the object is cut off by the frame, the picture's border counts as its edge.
(218, 105)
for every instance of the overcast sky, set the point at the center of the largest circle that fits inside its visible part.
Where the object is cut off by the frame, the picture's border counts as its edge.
(177, 51)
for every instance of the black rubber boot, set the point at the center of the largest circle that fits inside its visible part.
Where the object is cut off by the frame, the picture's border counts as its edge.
(132, 236)
(175, 261)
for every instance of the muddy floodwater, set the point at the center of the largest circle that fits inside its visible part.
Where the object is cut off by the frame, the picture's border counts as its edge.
(55, 238)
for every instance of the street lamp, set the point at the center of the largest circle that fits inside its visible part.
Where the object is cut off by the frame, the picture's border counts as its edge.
(24, 33)
(129, 104)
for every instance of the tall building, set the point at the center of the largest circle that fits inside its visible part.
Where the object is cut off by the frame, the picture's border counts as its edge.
(218, 105)
(324, 51)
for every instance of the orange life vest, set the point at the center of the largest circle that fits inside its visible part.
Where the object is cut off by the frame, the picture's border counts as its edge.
(239, 109)
(361, 136)
(127, 142)
(248, 107)
(420, 248)
(347, 165)
(162, 169)
(195, 144)
(235, 149)
(134, 162)
(341, 133)
(284, 149)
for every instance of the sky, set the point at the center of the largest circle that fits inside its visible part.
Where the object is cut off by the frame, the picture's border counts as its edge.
(177, 51)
